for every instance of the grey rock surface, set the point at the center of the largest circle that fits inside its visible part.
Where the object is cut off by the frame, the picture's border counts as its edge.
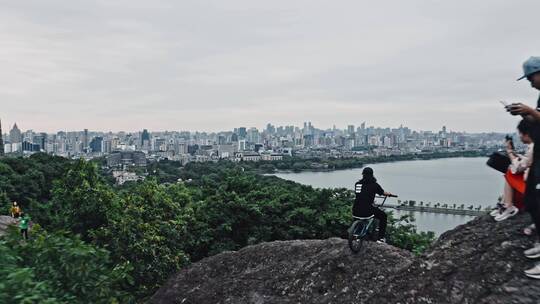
(479, 262)
(5, 222)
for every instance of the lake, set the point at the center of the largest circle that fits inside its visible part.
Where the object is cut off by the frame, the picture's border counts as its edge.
(449, 180)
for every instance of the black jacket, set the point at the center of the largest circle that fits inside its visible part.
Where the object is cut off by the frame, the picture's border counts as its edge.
(365, 191)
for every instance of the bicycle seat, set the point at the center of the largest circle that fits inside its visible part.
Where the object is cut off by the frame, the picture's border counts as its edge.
(363, 218)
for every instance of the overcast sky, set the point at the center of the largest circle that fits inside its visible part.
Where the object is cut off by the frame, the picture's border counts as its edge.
(216, 65)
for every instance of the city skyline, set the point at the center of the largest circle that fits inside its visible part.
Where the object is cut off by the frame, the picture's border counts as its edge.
(198, 65)
(247, 142)
(8, 126)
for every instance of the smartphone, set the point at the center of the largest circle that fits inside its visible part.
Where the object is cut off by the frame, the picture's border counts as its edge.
(510, 139)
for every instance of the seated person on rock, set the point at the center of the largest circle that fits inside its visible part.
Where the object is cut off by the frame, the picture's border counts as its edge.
(365, 190)
(516, 176)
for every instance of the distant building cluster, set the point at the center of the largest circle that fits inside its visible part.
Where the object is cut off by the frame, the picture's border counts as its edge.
(242, 144)
(123, 176)
(126, 158)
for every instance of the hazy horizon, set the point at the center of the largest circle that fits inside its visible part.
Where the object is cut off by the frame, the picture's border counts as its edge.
(213, 66)
(6, 128)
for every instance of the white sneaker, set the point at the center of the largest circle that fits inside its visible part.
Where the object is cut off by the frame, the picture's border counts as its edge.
(495, 212)
(381, 241)
(508, 212)
(500, 209)
(533, 272)
(533, 253)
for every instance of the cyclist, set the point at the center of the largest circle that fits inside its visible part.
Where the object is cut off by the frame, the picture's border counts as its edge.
(365, 190)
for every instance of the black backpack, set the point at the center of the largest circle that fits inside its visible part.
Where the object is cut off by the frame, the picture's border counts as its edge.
(499, 161)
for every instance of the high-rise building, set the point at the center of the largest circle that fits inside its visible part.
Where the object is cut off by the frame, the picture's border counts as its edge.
(15, 135)
(253, 135)
(242, 132)
(222, 140)
(1, 140)
(28, 135)
(270, 129)
(443, 132)
(160, 144)
(145, 136)
(242, 145)
(40, 140)
(85, 141)
(96, 145)
(107, 146)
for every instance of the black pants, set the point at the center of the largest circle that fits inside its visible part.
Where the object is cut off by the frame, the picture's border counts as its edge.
(532, 197)
(381, 216)
(24, 233)
(534, 211)
(365, 211)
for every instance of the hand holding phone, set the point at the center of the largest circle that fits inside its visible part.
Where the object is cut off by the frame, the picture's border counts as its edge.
(510, 107)
(507, 106)
(510, 140)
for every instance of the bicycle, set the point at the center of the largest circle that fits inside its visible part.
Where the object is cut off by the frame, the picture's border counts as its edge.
(363, 229)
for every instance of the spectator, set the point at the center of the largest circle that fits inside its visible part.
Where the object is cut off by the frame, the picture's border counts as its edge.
(531, 69)
(514, 187)
(24, 224)
(15, 210)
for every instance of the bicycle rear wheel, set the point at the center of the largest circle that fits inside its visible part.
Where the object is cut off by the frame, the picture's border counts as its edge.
(355, 239)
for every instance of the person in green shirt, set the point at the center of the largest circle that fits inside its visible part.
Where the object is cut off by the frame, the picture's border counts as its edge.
(23, 225)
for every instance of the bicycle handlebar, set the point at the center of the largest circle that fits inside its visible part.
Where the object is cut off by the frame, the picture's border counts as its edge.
(385, 196)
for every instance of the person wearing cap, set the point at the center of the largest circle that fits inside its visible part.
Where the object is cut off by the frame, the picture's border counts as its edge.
(531, 71)
(365, 191)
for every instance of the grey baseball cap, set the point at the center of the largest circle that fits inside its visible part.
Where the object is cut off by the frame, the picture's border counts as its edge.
(531, 66)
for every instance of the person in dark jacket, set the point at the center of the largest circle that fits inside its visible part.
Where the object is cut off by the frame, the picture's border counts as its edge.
(365, 190)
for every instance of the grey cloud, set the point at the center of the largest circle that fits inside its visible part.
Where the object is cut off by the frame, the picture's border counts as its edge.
(210, 65)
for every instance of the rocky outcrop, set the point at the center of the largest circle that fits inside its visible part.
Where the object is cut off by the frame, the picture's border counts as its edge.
(479, 262)
(307, 271)
(5, 222)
